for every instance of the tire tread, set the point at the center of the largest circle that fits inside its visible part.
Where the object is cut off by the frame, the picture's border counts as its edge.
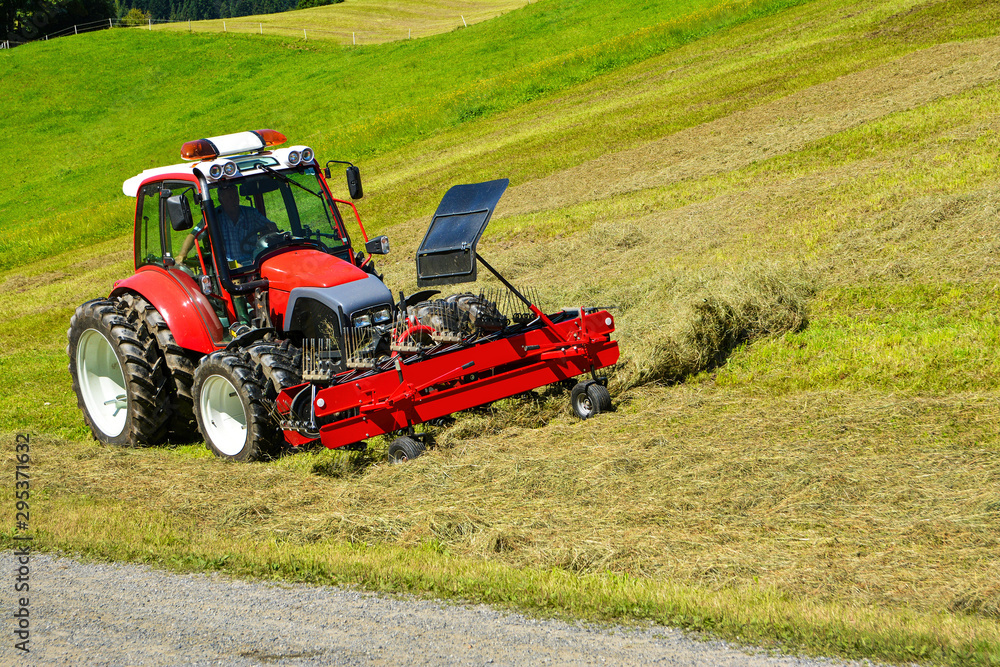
(149, 406)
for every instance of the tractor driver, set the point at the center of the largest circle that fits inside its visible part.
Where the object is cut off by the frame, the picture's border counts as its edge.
(240, 227)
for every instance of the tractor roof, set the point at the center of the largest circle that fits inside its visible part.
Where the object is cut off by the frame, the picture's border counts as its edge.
(131, 186)
(228, 157)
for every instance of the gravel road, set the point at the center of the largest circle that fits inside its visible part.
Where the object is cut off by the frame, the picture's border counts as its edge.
(115, 614)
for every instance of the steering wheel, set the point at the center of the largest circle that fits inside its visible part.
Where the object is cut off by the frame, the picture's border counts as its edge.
(268, 240)
(253, 237)
(315, 236)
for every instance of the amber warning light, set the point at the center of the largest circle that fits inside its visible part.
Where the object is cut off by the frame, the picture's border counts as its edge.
(231, 144)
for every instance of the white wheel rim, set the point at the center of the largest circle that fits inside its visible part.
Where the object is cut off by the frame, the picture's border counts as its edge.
(102, 383)
(223, 416)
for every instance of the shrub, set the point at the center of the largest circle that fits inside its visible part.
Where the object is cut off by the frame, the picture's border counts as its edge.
(306, 4)
(136, 17)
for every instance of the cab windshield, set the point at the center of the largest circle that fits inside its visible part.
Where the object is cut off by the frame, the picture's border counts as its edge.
(270, 210)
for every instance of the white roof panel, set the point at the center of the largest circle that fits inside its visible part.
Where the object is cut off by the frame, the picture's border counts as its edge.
(131, 186)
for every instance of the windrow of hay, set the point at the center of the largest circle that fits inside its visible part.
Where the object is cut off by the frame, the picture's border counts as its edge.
(687, 325)
(672, 321)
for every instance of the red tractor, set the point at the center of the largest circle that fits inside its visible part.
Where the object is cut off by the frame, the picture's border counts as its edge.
(256, 321)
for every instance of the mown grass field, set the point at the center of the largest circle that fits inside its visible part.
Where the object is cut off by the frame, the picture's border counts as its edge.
(361, 21)
(792, 206)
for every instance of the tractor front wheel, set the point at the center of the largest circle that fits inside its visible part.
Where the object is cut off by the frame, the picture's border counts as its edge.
(229, 404)
(117, 375)
(590, 398)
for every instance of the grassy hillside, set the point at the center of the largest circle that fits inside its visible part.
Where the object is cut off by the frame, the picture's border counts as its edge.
(361, 21)
(350, 103)
(793, 208)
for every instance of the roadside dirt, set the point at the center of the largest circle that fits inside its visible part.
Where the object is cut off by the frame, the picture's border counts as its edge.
(111, 614)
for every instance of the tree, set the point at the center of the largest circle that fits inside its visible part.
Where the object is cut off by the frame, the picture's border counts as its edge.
(23, 20)
(306, 4)
(79, 12)
(136, 16)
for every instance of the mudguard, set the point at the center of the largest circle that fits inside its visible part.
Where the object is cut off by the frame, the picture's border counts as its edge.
(176, 296)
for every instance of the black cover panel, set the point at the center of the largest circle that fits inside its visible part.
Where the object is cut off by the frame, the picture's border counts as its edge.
(353, 297)
(447, 255)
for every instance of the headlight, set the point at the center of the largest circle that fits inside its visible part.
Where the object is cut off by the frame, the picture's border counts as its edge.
(293, 158)
(307, 155)
(215, 171)
(363, 320)
(382, 315)
(229, 169)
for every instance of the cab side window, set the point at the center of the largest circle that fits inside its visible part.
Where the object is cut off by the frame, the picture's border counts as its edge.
(174, 239)
(148, 244)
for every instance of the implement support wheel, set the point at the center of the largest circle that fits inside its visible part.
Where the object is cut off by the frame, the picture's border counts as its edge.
(404, 448)
(590, 398)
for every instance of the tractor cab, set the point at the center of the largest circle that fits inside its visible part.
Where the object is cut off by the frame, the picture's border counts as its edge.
(252, 217)
(244, 223)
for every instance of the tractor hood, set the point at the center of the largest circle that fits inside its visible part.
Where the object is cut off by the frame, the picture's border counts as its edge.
(308, 268)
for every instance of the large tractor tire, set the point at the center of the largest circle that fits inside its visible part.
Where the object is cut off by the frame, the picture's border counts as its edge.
(118, 375)
(180, 367)
(231, 407)
(280, 365)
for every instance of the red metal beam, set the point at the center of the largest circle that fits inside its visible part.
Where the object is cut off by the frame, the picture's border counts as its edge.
(416, 392)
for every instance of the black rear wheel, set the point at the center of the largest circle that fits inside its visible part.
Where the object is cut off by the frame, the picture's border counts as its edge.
(117, 375)
(180, 368)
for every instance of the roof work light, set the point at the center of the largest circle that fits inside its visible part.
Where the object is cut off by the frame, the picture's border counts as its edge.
(231, 144)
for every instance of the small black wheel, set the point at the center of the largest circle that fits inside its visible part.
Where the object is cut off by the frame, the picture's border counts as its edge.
(590, 398)
(404, 449)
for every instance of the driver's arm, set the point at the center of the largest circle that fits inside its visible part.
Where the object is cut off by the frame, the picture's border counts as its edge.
(190, 240)
(267, 224)
(261, 224)
(187, 245)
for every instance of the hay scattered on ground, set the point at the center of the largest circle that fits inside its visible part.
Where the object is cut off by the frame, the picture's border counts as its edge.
(864, 499)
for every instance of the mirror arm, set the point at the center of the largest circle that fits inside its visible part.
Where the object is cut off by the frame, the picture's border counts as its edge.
(326, 169)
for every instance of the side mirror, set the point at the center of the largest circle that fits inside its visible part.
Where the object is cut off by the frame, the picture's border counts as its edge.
(378, 246)
(354, 182)
(179, 211)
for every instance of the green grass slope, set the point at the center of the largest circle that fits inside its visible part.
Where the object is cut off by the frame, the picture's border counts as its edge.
(793, 212)
(128, 100)
(360, 21)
